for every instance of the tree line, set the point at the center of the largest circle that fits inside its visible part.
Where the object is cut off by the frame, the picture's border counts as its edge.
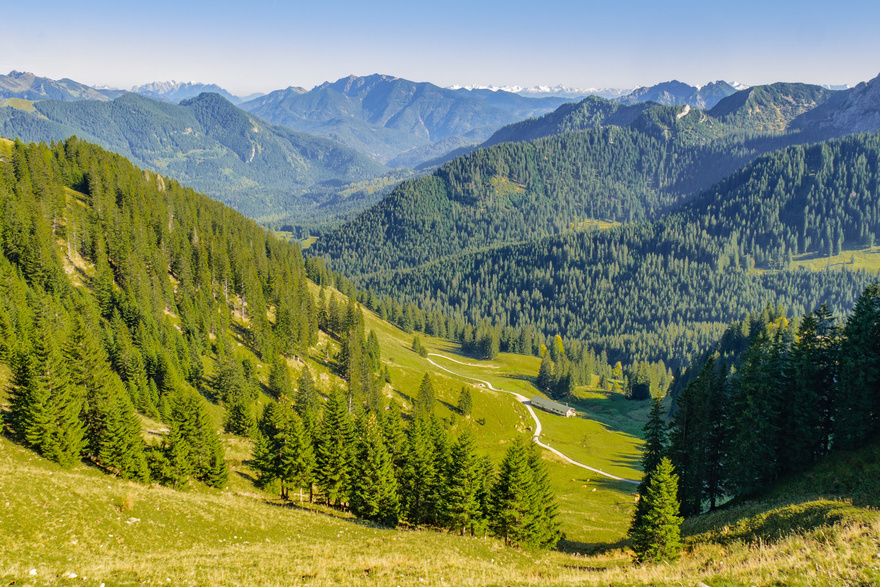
(120, 288)
(364, 460)
(799, 391)
(665, 289)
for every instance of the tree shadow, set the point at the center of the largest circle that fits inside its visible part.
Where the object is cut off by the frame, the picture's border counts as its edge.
(589, 548)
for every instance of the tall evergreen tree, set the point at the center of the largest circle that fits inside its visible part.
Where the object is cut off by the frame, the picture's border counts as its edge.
(335, 448)
(297, 458)
(658, 536)
(755, 416)
(545, 532)
(45, 406)
(425, 398)
(419, 472)
(857, 396)
(462, 499)
(513, 508)
(653, 452)
(374, 487)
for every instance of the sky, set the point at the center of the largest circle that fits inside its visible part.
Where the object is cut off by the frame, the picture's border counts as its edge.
(262, 45)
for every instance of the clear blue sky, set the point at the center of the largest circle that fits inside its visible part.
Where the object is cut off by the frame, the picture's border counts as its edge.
(263, 45)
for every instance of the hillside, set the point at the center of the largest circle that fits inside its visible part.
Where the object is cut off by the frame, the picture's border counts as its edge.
(379, 115)
(27, 86)
(770, 108)
(656, 290)
(155, 295)
(120, 533)
(259, 169)
(201, 327)
(586, 162)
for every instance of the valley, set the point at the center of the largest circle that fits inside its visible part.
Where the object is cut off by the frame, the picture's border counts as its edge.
(291, 338)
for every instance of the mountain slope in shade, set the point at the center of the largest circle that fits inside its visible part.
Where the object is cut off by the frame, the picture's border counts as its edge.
(205, 142)
(676, 93)
(380, 115)
(518, 105)
(27, 86)
(847, 112)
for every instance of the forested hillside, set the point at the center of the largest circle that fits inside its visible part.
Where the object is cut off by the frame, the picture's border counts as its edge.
(517, 192)
(206, 142)
(795, 394)
(596, 160)
(128, 298)
(665, 290)
(115, 287)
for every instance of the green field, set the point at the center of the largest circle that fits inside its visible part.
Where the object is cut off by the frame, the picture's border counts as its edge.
(867, 259)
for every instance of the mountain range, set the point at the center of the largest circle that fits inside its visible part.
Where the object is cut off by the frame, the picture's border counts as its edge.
(176, 92)
(27, 86)
(502, 213)
(206, 142)
(676, 93)
(385, 116)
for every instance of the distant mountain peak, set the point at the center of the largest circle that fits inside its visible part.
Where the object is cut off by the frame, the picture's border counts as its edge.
(29, 86)
(677, 93)
(546, 91)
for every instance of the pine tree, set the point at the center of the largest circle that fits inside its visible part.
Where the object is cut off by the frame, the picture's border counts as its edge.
(297, 458)
(178, 457)
(335, 450)
(424, 403)
(513, 506)
(545, 373)
(658, 536)
(307, 401)
(463, 487)
(240, 418)
(419, 473)
(465, 402)
(280, 384)
(857, 400)
(45, 406)
(374, 488)
(755, 417)
(653, 452)
(545, 532)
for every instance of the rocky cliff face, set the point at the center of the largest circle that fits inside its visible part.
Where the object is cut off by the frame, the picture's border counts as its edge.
(848, 112)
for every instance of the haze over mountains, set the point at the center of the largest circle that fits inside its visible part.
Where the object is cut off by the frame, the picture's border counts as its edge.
(206, 142)
(385, 116)
(512, 221)
(394, 122)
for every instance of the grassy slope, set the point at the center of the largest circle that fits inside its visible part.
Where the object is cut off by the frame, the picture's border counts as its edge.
(57, 522)
(867, 259)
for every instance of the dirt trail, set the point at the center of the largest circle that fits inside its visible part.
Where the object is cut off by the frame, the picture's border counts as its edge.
(528, 404)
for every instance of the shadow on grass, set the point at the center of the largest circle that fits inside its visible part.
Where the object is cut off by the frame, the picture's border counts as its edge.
(526, 378)
(589, 548)
(768, 522)
(628, 461)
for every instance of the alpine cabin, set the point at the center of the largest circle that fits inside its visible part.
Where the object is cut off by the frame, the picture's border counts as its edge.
(553, 407)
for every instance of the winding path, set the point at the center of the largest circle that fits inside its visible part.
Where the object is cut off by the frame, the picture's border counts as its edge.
(528, 404)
